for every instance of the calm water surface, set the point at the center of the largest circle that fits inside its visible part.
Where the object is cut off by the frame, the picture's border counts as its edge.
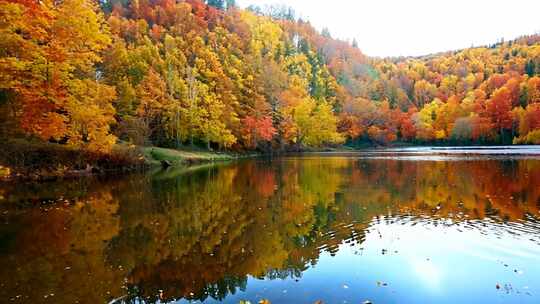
(402, 227)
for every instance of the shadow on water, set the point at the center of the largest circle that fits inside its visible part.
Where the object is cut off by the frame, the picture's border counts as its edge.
(295, 229)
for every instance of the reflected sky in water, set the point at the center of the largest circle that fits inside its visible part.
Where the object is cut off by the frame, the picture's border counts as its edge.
(340, 229)
(407, 262)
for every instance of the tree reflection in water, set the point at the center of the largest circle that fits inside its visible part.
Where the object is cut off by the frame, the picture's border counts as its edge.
(201, 234)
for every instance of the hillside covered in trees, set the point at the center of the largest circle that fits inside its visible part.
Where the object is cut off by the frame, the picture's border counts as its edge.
(174, 73)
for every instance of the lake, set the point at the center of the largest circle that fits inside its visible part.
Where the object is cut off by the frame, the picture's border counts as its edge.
(428, 225)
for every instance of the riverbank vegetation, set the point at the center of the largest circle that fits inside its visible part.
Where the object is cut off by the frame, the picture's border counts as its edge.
(44, 161)
(86, 75)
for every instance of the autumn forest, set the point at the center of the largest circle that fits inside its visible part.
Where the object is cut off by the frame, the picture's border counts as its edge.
(208, 151)
(90, 75)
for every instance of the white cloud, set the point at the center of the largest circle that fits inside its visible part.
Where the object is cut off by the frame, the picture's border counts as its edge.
(417, 27)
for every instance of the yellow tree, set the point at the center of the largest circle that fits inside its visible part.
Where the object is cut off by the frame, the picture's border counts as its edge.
(305, 121)
(50, 55)
(533, 90)
(91, 115)
(212, 128)
(425, 119)
(323, 127)
(446, 116)
(154, 102)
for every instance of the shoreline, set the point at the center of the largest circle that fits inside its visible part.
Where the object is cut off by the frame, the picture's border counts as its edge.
(141, 159)
(48, 162)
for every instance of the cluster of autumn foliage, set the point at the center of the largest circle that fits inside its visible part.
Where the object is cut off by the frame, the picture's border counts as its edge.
(171, 73)
(477, 95)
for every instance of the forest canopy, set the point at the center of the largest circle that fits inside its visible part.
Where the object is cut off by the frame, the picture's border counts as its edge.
(169, 73)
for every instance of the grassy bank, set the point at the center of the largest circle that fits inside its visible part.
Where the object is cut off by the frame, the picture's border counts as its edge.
(154, 156)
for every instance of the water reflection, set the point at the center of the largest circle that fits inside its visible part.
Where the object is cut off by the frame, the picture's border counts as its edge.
(289, 230)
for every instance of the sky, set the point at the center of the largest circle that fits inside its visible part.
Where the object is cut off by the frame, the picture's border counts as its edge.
(417, 27)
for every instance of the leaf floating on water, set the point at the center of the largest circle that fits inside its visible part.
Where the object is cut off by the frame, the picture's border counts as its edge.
(379, 284)
(245, 302)
(264, 301)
